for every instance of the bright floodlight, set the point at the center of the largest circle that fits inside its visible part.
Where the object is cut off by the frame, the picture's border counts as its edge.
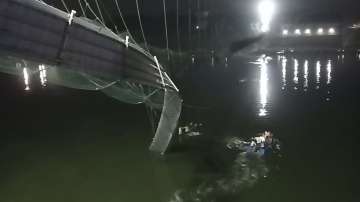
(308, 31)
(331, 31)
(266, 11)
(297, 32)
(320, 31)
(285, 32)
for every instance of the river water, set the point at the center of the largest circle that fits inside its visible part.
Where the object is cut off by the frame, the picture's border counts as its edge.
(60, 144)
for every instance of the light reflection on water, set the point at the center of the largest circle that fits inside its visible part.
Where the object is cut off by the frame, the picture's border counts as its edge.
(296, 72)
(283, 64)
(263, 86)
(26, 78)
(306, 79)
(318, 74)
(28, 72)
(42, 75)
(329, 70)
(305, 73)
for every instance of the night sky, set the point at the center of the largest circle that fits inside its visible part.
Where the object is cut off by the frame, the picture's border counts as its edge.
(345, 8)
(237, 15)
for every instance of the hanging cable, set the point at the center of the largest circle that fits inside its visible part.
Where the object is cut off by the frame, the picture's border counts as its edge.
(189, 23)
(123, 20)
(65, 6)
(97, 18)
(166, 31)
(177, 25)
(92, 11)
(141, 27)
(108, 14)
(136, 47)
(82, 8)
(98, 7)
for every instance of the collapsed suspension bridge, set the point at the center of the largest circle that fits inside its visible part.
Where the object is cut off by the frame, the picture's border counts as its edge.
(81, 53)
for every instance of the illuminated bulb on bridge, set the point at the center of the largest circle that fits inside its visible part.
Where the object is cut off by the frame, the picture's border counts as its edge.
(308, 31)
(320, 31)
(297, 32)
(331, 31)
(285, 32)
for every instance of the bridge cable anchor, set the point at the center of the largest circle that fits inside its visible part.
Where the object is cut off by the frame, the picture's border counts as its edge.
(71, 16)
(127, 41)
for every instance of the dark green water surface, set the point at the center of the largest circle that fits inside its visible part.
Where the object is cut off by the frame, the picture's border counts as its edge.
(59, 144)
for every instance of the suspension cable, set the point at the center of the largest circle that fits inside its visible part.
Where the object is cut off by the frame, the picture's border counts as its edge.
(141, 27)
(92, 11)
(177, 25)
(123, 20)
(166, 31)
(65, 6)
(107, 13)
(97, 18)
(147, 53)
(82, 8)
(98, 7)
(189, 23)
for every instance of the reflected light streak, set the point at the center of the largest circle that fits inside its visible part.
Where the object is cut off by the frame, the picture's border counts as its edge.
(263, 87)
(296, 71)
(318, 74)
(306, 75)
(26, 79)
(42, 74)
(329, 70)
(283, 64)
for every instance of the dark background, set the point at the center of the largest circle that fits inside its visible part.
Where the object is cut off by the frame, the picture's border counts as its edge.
(232, 17)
